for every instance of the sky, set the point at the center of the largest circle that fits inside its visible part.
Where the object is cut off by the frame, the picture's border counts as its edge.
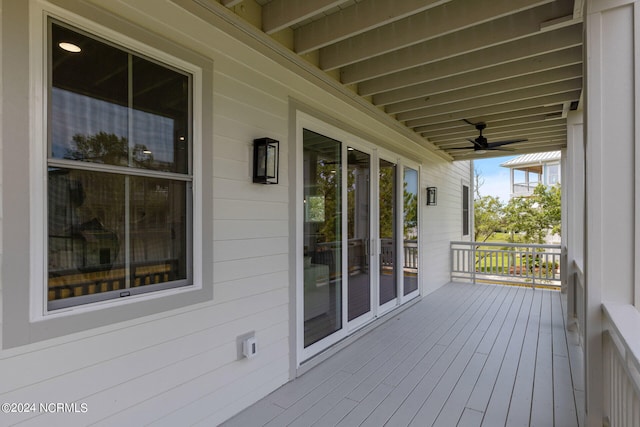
(496, 178)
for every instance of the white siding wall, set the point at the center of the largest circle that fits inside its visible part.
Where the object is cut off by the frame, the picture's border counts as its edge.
(180, 367)
(1, 240)
(442, 223)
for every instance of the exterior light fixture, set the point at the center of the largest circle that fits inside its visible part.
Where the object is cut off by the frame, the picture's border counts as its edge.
(265, 161)
(432, 196)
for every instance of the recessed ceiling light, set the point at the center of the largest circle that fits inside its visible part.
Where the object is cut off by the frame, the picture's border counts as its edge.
(146, 151)
(70, 47)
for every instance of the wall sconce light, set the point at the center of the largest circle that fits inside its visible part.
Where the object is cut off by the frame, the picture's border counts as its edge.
(265, 161)
(432, 196)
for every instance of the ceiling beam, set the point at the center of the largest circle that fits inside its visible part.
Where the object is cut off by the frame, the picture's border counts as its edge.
(550, 63)
(511, 117)
(356, 19)
(464, 128)
(486, 89)
(280, 14)
(552, 146)
(534, 140)
(529, 47)
(494, 99)
(492, 20)
(219, 17)
(507, 132)
(231, 3)
(495, 109)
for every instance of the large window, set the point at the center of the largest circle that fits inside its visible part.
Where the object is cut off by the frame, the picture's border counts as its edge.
(553, 174)
(119, 171)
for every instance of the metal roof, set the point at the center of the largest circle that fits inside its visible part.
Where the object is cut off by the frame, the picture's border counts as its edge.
(532, 159)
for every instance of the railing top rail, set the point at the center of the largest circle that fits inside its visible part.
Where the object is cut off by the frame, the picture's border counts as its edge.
(625, 322)
(507, 245)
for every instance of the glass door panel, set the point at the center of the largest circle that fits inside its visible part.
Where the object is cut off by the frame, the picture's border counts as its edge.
(387, 218)
(322, 237)
(359, 230)
(410, 231)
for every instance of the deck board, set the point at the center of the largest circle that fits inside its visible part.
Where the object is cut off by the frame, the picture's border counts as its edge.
(466, 355)
(542, 403)
(520, 405)
(498, 408)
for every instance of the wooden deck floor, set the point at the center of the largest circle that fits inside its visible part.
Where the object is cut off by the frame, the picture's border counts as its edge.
(466, 355)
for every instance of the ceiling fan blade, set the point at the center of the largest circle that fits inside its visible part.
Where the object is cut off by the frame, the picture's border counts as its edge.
(466, 154)
(501, 149)
(474, 142)
(500, 143)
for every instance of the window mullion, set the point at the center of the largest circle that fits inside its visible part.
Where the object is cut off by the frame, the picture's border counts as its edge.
(127, 180)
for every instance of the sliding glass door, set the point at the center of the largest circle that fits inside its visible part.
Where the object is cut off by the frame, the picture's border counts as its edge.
(410, 232)
(357, 231)
(387, 223)
(322, 292)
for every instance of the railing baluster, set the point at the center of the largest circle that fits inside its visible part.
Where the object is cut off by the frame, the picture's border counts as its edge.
(531, 264)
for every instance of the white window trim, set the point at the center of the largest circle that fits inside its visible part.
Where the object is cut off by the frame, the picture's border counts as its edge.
(39, 16)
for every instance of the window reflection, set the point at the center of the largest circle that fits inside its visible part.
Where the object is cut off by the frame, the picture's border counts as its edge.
(387, 182)
(358, 220)
(322, 237)
(88, 236)
(410, 230)
(112, 107)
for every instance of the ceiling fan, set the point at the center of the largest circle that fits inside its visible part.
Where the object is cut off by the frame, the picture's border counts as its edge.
(481, 145)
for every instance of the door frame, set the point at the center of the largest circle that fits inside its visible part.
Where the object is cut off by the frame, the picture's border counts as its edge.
(365, 318)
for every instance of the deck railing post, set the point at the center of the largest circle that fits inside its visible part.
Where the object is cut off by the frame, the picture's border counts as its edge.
(473, 266)
(532, 267)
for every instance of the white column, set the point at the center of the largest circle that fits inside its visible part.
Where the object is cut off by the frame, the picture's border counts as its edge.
(573, 206)
(611, 137)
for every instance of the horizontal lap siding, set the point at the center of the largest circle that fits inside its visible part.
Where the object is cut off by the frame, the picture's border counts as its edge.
(441, 223)
(180, 367)
(1, 183)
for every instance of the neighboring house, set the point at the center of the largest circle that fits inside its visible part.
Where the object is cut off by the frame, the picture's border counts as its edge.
(529, 170)
(140, 261)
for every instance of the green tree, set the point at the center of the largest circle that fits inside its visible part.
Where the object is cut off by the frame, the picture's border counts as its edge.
(533, 217)
(487, 216)
(550, 202)
(387, 180)
(102, 147)
(410, 202)
(110, 149)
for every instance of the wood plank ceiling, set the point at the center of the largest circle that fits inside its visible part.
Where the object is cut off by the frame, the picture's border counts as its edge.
(439, 66)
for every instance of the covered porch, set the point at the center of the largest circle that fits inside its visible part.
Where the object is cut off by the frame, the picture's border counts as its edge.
(465, 355)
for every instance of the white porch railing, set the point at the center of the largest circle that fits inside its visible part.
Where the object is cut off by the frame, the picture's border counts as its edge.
(410, 248)
(514, 263)
(524, 189)
(621, 354)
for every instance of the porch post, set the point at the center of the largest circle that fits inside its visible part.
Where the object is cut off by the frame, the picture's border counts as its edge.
(611, 150)
(573, 209)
